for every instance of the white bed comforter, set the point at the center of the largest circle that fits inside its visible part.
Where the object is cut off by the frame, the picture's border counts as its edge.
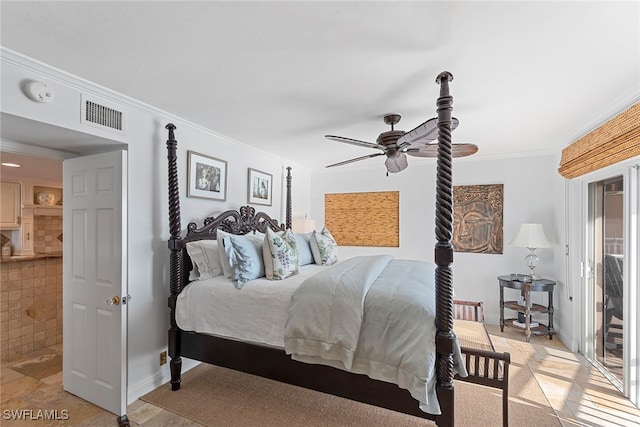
(371, 315)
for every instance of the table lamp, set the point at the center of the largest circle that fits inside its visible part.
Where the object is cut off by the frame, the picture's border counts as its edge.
(531, 236)
(303, 225)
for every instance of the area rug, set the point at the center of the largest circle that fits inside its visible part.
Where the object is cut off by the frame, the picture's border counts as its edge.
(215, 396)
(40, 366)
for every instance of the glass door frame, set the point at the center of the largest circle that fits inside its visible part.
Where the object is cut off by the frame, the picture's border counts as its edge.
(585, 314)
(596, 277)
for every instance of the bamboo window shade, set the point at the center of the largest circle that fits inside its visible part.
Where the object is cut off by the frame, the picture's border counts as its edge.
(363, 219)
(615, 141)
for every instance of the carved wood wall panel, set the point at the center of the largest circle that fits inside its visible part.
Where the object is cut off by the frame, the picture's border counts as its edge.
(364, 219)
(477, 218)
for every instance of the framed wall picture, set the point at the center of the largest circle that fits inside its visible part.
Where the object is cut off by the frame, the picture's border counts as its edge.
(206, 177)
(260, 187)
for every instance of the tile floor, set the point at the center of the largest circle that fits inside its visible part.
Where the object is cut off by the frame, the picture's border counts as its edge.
(579, 394)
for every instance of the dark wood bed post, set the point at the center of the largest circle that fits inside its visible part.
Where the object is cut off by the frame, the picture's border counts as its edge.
(444, 254)
(175, 258)
(288, 209)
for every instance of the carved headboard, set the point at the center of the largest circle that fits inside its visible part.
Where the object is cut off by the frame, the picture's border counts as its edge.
(244, 221)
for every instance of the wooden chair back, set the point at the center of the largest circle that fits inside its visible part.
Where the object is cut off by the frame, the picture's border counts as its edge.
(468, 310)
(487, 368)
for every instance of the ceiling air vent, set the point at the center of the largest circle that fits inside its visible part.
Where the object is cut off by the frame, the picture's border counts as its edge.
(102, 115)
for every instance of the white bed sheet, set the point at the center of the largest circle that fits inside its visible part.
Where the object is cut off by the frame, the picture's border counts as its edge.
(256, 313)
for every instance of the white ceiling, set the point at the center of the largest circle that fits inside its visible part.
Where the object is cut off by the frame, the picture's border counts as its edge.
(37, 168)
(529, 77)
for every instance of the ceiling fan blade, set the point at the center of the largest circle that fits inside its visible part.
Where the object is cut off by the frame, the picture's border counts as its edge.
(397, 163)
(355, 142)
(427, 131)
(355, 160)
(461, 149)
(402, 146)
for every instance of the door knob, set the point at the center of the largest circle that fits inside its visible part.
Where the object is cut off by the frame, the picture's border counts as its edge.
(113, 301)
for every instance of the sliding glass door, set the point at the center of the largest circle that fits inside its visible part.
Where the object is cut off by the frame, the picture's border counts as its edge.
(610, 291)
(606, 253)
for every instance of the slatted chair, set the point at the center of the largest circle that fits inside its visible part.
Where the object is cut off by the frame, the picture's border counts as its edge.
(484, 365)
(468, 310)
(613, 294)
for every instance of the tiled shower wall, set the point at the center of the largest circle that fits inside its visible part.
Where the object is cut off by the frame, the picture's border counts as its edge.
(48, 234)
(30, 306)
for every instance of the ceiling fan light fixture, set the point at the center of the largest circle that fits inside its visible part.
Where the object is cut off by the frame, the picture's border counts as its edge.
(395, 143)
(396, 164)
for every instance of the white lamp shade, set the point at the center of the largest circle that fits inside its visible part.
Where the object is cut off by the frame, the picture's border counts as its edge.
(531, 236)
(303, 225)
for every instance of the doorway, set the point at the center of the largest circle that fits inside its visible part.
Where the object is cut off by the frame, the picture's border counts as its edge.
(54, 143)
(32, 256)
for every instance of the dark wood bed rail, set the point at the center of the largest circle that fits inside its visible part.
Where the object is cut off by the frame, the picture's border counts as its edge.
(195, 345)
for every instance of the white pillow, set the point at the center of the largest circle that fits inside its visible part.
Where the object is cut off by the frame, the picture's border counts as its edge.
(205, 257)
(194, 274)
(224, 258)
(324, 247)
(280, 254)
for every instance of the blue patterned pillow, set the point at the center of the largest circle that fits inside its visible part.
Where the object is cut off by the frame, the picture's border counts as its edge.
(245, 258)
(324, 247)
(280, 255)
(223, 240)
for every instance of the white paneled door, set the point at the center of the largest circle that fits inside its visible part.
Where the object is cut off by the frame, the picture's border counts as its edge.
(94, 277)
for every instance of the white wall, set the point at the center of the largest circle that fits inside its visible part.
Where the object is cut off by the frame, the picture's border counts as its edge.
(529, 196)
(148, 317)
(565, 295)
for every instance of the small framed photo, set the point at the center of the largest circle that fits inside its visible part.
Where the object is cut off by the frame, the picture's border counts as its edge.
(260, 185)
(207, 177)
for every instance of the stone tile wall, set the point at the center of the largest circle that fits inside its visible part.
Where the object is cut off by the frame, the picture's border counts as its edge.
(30, 306)
(46, 230)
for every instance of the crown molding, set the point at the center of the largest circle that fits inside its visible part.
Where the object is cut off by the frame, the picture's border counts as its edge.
(608, 112)
(85, 86)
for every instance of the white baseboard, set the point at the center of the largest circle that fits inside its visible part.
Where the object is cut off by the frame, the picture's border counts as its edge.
(162, 377)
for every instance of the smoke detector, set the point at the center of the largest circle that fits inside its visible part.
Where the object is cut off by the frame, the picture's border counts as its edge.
(38, 91)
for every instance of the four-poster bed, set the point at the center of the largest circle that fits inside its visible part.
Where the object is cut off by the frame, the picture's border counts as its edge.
(274, 363)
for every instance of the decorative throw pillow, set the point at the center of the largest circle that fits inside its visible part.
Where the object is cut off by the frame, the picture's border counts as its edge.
(324, 247)
(206, 260)
(245, 258)
(280, 255)
(303, 241)
(224, 257)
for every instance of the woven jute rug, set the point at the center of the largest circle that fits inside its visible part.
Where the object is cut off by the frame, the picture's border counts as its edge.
(215, 396)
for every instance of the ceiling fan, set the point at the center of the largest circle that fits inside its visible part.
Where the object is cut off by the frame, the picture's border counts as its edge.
(396, 144)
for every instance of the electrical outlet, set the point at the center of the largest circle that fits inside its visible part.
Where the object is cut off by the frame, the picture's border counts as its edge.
(163, 358)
